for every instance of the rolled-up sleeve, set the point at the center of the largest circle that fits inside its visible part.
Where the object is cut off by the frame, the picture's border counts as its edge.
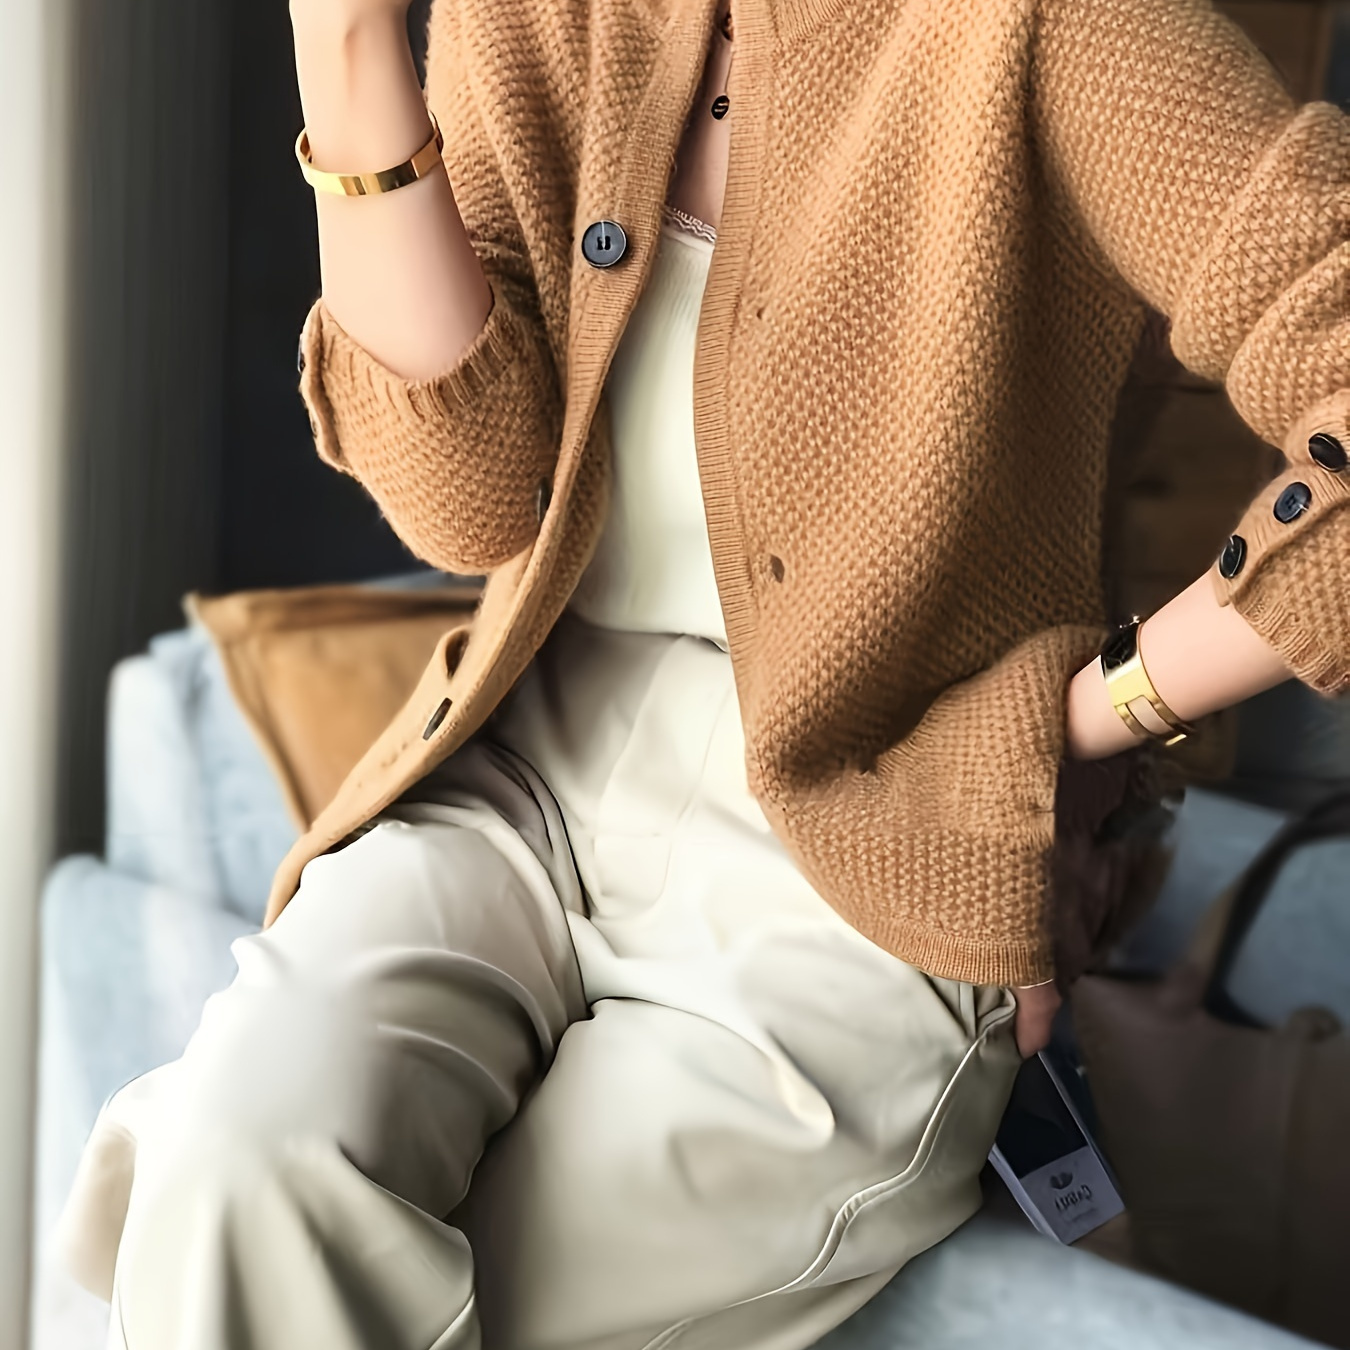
(1286, 566)
(454, 462)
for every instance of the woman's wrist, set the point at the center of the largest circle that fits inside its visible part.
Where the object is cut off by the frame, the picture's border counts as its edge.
(1094, 729)
(361, 98)
(1200, 657)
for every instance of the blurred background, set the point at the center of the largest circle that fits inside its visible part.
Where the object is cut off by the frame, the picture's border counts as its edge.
(159, 257)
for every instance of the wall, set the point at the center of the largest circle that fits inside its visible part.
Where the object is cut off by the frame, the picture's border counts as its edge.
(286, 518)
(147, 266)
(32, 149)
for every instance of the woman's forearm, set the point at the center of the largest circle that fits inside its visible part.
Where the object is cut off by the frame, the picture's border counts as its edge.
(399, 272)
(1200, 655)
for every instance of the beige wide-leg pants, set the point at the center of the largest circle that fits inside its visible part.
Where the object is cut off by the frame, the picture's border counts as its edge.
(564, 1054)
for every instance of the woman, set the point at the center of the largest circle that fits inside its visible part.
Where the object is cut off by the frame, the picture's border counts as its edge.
(764, 360)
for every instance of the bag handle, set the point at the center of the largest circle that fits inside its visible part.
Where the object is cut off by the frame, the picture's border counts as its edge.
(1221, 940)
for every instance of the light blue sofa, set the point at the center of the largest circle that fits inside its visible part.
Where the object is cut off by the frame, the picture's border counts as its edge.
(135, 942)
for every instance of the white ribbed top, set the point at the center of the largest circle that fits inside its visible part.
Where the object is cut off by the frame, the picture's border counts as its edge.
(652, 570)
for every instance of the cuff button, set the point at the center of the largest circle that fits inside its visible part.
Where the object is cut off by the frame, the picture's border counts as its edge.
(1233, 556)
(1292, 502)
(1327, 451)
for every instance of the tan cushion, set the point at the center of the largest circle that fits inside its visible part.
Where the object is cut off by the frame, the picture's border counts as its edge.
(319, 672)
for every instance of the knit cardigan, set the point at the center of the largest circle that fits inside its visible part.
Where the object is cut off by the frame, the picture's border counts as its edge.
(942, 221)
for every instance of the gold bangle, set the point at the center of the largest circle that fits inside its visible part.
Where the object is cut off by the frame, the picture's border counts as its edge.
(369, 184)
(1126, 680)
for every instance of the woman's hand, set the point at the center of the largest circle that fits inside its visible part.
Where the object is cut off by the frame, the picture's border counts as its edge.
(1036, 1009)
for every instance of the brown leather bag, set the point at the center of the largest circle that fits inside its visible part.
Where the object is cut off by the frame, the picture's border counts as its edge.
(1231, 1140)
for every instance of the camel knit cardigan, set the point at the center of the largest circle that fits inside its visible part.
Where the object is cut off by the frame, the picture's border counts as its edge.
(941, 219)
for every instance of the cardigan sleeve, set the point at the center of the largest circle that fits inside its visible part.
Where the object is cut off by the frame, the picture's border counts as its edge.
(456, 463)
(1173, 150)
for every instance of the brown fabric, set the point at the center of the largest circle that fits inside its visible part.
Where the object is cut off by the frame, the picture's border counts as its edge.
(1303, 569)
(1110, 857)
(318, 673)
(941, 224)
(1229, 1139)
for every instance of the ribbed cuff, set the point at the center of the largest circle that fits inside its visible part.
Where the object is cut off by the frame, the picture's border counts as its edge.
(337, 370)
(1286, 567)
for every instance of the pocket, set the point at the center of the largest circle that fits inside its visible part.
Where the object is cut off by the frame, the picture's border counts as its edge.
(892, 1221)
(881, 1226)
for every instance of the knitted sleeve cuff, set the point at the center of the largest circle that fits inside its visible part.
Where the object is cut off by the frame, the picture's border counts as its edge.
(1286, 567)
(457, 462)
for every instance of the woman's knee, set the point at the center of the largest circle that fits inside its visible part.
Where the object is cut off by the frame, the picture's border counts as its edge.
(290, 1060)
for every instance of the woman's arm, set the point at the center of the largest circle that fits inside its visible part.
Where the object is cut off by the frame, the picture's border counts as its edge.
(1200, 655)
(399, 272)
(1173, 152)
(426, 364)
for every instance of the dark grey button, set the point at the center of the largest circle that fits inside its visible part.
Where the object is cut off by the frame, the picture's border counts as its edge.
(1327, 451)
(1233, 556)
(439, 716)
(604, 243)
(543, 494)
(300, 357)
(1292, 502)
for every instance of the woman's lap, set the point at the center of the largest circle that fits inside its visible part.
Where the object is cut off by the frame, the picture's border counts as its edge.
(668, 1142)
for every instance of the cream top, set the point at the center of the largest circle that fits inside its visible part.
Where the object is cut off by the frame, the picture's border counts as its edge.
(652, 571)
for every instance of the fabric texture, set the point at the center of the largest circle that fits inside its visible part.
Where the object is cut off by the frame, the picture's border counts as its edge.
(709, 1112)
(941, 223)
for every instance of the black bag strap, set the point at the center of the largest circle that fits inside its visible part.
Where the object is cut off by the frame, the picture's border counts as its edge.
(1328, 819)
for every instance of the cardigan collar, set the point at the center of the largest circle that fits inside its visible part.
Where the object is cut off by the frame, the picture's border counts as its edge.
(792, 20)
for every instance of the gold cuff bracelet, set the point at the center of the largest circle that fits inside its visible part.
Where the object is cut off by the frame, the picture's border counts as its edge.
(368, 184)
(1127, 680)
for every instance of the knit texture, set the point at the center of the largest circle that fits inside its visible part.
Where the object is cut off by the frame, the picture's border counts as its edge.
(942, 220)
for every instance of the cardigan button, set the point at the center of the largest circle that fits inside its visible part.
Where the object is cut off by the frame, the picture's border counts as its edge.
(300, 357)
(1233, 556)
(1292, 502)
(1327, 451)
(604, 243)
(543, 494)
(439, 716)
